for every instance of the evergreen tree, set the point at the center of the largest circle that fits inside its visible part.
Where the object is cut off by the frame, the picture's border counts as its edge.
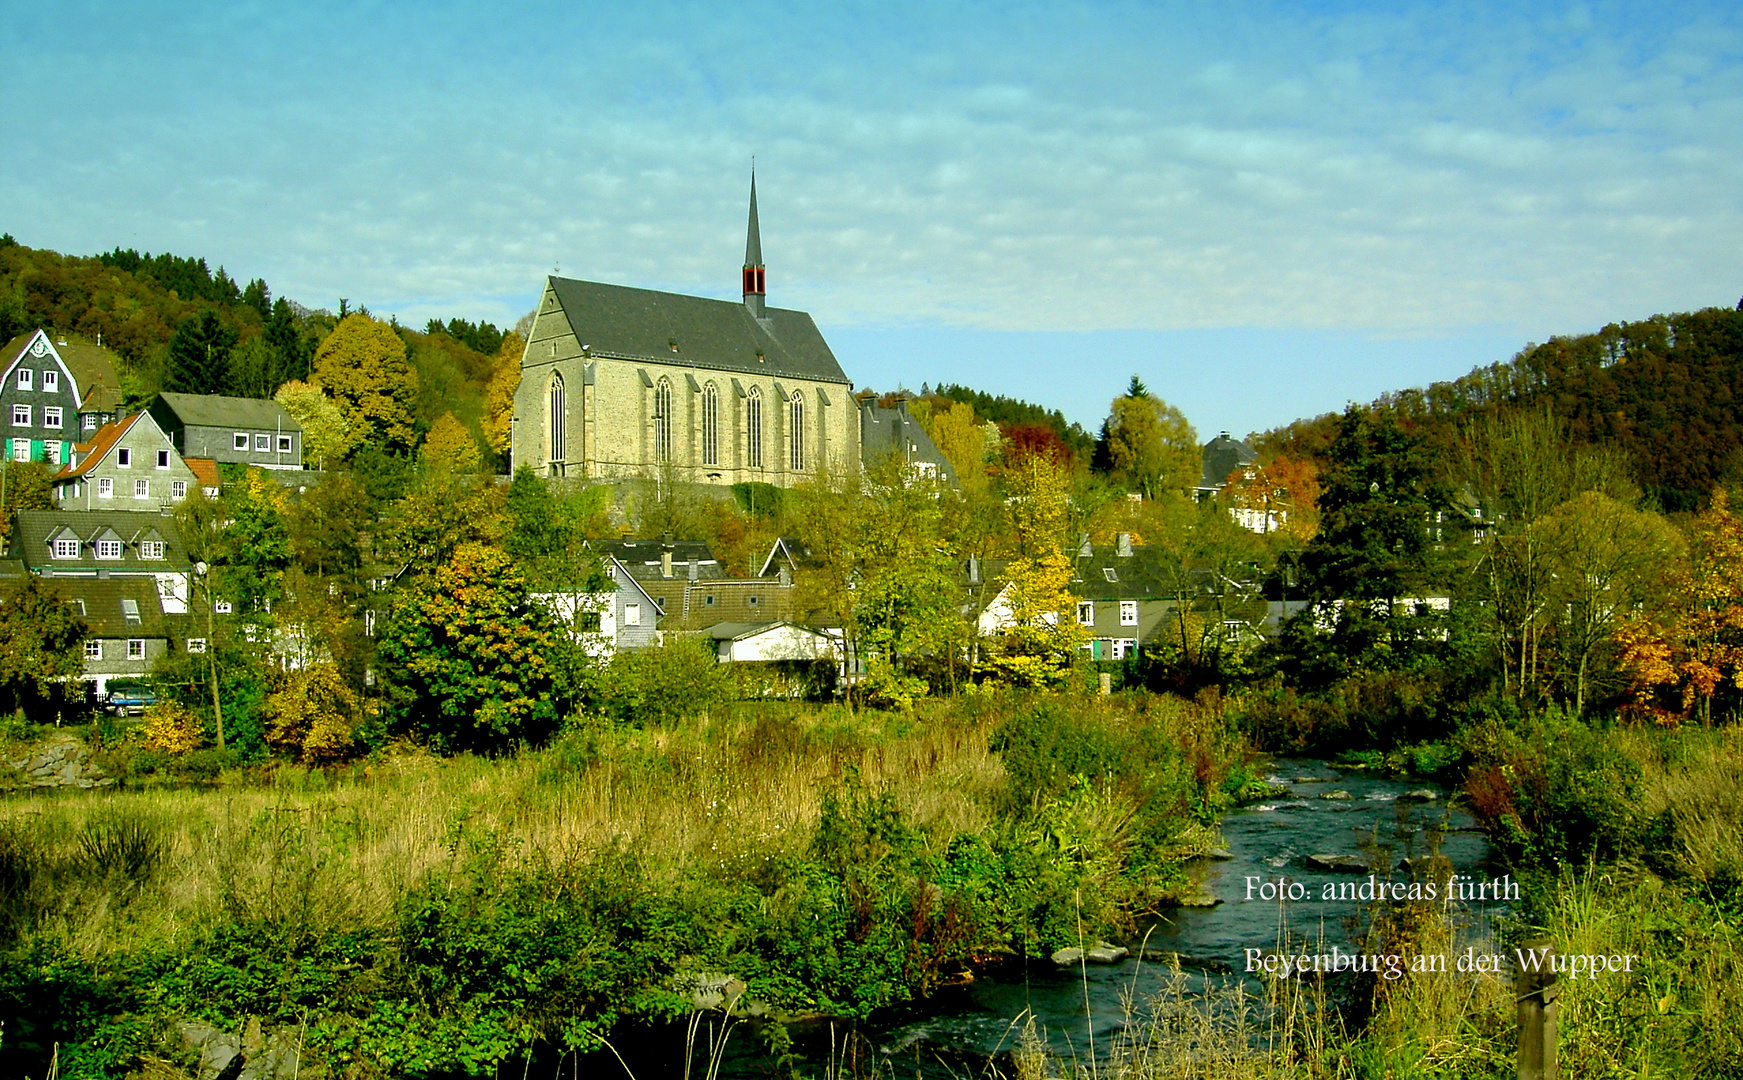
(199, 355)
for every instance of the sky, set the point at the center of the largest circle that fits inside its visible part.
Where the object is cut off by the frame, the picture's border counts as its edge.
(1264, 210)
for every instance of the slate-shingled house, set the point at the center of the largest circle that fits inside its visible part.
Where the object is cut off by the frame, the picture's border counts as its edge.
(104, 544)
(52, 394)
(128, 465)
(230, 430)
(619, 382)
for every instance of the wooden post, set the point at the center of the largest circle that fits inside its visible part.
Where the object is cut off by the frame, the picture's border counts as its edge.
(1537, 991)
(1107, 683)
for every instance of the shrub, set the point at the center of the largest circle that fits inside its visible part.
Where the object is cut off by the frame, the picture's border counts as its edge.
(683, 677)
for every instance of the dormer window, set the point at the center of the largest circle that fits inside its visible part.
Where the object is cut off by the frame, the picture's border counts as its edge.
(66, 547)
(25, 376)
(108, 549)
(151, 549)
(51, 381)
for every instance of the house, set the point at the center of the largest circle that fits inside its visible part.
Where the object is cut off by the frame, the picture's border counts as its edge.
(609, 620)
(693, 591)
(50, 392)
(892, 432)
(623, 382)
(105, 544)
(1223, 458)
(231, 430)
(787, 660)
(128, 464)
(129, 629)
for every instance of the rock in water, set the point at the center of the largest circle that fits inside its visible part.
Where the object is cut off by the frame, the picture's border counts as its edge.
(1338, 864)
(1419, 795)
(1339, 794)
(1102, 952)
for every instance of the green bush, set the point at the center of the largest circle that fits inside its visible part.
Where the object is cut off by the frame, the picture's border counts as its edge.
(683, 677)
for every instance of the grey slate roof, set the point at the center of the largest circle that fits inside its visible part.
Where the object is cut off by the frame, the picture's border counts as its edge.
(720, 335)
(892, 431)
(642, 558)
(92, 367)
(1138, 576)
(36, 527)
(100, 602)
(1222, 456)
(215, 410)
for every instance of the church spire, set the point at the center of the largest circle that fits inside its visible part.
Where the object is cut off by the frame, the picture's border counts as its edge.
(754, 285)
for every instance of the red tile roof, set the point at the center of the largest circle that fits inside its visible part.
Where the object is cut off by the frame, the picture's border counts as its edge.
(99, 446)
(205, 470)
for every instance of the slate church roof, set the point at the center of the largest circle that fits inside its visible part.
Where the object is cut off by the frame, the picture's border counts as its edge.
(624, 323)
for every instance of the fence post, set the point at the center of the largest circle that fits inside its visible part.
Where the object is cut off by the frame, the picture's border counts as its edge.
(1107, 683)
(1537, 992)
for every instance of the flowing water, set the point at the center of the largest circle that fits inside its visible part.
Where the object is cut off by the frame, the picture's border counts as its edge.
(1085, 1005)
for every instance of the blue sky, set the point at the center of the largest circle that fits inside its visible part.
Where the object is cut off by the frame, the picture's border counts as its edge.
(1265, 211)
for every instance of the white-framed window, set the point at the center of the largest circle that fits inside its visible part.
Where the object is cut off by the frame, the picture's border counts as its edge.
(124, 458)
(108, 549)
(222, 607)
(753, 428)
(1110, 573)
(239, 441)
(20, 449)
(284, 444)
(51, 416)
(1128, 613)
(163, 459)
(52, 451)
(88, 421)
(632, 614)
(178, 489)
(66, 547)
(24, 378)
(105, 487)
(196, 644)
(21, 416)
(263, 443)
(135, 648)
(796, 431)
(51, 381)
(93, 649)
(1086, 613)
(142, 489)
(151, 549)
(1124, 647)
(130, 611)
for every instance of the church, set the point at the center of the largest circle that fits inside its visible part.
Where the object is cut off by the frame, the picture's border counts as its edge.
(622, 382)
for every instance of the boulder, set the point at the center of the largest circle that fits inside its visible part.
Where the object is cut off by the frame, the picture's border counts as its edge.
(1419, 795)
(1338, 864)
(1102, 952)
(1339, 794)
(1200, 898)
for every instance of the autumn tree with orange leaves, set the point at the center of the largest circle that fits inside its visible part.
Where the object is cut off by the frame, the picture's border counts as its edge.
(1680, 662)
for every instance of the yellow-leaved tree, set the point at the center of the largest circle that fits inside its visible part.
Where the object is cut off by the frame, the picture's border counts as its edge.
(449, 447)
(499, 392)
(327, 436)
(315, 714)
(1039, 634)
(363, 365)
(1150, 444)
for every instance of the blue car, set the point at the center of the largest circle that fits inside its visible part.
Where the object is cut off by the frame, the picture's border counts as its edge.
(128, 700)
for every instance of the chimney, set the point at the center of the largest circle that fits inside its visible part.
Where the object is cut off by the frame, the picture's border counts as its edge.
(786, 577)
(693, 574)
(974, 569)
(666, 560)
(1084, 548)
(1123, 545)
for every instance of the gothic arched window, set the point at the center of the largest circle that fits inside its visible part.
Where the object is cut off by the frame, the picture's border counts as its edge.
(710, 425)
(663, 421)
(558, 420)
(753, 428)
(796, 431)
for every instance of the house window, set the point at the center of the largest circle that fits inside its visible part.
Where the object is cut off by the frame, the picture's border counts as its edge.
(51, 416)
(130, 611)
(163, 459)
(51, 381)
(151, 549)
(108, 549)
(559, 406)
(263, 443)
(93, 650)
(124, 458)
(20, 449)
(1086, 613)
(142, 489)
(753, 428)
(105, 487)
(88, 421)
(710, 425)
(239, 441)
(1128, 613)
(663, 421)
(135, 648)
(1124, 647)
(222, 607)
(196, 644)
(21, 416)
(708, 601)
(750, 601)
(24, 376)
(284, 444)
(178, 489)
(1110, 573)
(66, 547)
(796, 431)
(51, 451)
(632, 614)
